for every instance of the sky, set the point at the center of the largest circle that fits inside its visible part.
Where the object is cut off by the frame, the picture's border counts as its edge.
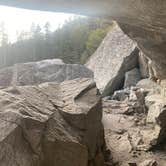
(17, 20)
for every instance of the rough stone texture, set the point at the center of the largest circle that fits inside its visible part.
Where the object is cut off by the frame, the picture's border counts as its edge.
(129, 137)
(47, 62)
(43, 71)
(121, 95)
(143, 65)
(116, 55)
(152, 43)
(132, 77)
(148, 30)
(51, 124)
(156, 133)
(155, 103)
(149, 162)
(149, 86)
(126, 102)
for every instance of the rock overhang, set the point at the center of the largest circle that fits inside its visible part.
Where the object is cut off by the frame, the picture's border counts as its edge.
(143, 21)
(149, 14)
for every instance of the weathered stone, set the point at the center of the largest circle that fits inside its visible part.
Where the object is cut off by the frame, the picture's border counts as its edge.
(143, 65)
(129, 136)
(43, 71)
(130, 132)
(132, 77)
(153, 46)
(116, 107)
(134, 98)
(155, 132)
(149, 34)
(121, 95)
(149, 162)
(155, 103)
(51, 124)
(47, 62)
(149, 86)
(116, 55)
(121, 107)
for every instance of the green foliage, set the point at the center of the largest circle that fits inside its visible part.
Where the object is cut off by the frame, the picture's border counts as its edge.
(74, 42)
(95, 39)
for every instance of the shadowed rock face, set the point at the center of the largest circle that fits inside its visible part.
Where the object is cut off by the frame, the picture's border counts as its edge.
(116, 55)
(144, 21)
(51, 124)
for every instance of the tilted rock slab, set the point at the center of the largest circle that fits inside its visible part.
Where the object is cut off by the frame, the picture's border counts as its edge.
(116, 55)
(51, 124)
(42, 71)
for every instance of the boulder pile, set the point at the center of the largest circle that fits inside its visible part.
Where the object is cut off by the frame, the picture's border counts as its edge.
(116, 55)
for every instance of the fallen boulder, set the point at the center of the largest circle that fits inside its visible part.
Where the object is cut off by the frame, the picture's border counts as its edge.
(53, 124)
(43, 71)
(155, 121)
(116, 55)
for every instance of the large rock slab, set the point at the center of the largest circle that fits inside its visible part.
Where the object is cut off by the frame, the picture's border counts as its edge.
(51, 124)
(116, 55)
(43, 71)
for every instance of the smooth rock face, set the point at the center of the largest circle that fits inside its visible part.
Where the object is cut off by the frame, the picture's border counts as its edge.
(51, 124)
(132, 77)
(116, 55)
(43, 71)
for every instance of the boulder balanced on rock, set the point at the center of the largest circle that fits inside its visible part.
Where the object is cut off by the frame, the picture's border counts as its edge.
(116, 55)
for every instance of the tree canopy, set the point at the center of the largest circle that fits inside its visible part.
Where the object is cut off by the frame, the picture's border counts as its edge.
(74, 42)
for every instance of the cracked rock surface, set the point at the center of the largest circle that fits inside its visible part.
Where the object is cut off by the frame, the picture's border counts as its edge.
(51, 124)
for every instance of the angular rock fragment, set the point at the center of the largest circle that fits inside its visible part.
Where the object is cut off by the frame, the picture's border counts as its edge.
(51, 124)
(116, 55)
(121, 95)
(149, 162)
(155, 133)
(43, 71)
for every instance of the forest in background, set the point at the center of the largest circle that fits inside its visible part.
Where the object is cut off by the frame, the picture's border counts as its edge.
(74, 42)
